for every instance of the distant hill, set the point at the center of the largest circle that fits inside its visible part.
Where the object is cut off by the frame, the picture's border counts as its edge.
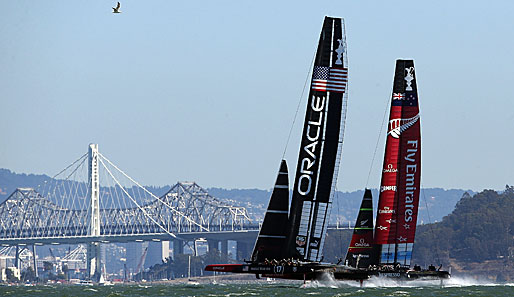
(346, 204)
(9, 181)
(440, 202)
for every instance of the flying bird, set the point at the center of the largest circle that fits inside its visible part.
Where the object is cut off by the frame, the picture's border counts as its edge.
(116, 9)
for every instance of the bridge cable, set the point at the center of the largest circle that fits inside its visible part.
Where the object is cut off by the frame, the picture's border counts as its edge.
(153, 196)
(135, 202)
(83, 156)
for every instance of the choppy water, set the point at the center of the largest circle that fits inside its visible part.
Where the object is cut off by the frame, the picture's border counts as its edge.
(459, 287)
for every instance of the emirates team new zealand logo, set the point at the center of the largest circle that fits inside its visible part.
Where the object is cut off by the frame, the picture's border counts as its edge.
(397, 126)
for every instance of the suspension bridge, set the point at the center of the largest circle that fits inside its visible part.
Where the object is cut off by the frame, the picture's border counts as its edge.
(92, 201)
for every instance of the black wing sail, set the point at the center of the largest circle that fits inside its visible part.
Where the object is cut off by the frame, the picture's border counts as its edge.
(321, 146)
(272, 235)
(360, 251)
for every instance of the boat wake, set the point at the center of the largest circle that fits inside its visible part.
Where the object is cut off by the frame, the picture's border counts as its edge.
(328, 281)
(467, 281)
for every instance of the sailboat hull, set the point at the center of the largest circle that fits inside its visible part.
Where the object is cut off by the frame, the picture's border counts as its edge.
(412, 275)
(301, 271)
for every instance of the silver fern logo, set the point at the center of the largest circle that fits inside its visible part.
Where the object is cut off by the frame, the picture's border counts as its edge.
(398, 126)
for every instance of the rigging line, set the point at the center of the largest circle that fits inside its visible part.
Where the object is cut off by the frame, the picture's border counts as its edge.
(299, 103)
(378, 140)
(431, 227)
(152, 195)
(133, 200)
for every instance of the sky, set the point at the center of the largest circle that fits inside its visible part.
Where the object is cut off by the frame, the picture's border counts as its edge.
(207, 91)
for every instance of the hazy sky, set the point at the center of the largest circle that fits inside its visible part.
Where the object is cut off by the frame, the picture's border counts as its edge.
(207, 90)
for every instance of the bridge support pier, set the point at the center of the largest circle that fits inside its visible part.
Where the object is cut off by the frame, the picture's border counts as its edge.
(224, 247)
(243, 252)
(17, 257)
(93, 261)
(178, 248)
(34, 262)
(213, 245)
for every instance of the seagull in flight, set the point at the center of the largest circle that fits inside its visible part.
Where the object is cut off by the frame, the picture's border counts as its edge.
(116, 9)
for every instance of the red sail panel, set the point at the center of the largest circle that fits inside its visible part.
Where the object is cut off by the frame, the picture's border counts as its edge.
(386, 212)
(401, 172)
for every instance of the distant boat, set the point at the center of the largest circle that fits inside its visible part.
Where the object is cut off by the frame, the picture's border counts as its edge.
(360, 250)
(290, 241)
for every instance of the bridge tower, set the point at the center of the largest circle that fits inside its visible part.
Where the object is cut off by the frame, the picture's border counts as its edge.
(93, 248)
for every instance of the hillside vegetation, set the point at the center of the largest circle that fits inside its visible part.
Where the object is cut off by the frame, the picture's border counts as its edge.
(481, 228)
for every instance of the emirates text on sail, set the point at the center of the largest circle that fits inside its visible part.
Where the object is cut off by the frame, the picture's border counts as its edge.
(410, 172)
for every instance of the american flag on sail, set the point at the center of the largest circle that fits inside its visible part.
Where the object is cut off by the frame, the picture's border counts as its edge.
(329, 79)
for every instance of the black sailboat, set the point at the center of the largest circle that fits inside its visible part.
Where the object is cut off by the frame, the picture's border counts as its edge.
(295, 252)
(360, 251)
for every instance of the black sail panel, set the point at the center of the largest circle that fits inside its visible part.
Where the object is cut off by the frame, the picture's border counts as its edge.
(320, 148)
(360, 251)
(272, 235)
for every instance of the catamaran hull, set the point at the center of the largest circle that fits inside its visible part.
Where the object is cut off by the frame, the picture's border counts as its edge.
(314, 271)
(412, 275)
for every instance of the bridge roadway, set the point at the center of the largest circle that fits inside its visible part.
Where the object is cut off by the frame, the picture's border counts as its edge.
(248, 234)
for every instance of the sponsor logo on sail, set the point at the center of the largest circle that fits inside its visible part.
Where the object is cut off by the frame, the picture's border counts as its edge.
(382, 228)
(410, 175)
(391, 221)
(390, 168)
(398, 126)
(387, 188)
(389, 274)
(362, 243)
(312, 134)
(386, 210)
(363, 222)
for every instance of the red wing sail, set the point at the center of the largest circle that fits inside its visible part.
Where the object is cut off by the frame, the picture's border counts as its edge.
(399, 190)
